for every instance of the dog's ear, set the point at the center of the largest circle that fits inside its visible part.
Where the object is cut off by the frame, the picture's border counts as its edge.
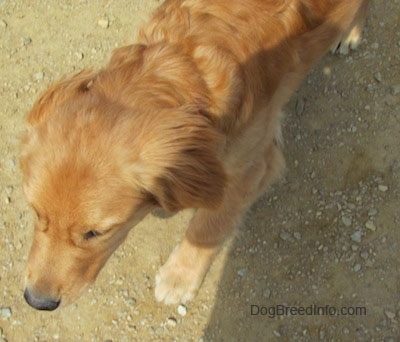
(182, 164)
(79, 83)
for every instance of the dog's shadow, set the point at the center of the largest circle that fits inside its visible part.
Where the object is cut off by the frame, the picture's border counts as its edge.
(274, 258)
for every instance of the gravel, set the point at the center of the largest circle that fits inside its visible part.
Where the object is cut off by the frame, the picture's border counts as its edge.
(5, 312)
(329, 224)
(182, 310)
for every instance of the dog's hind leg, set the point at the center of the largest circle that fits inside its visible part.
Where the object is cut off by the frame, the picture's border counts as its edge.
(351, 39)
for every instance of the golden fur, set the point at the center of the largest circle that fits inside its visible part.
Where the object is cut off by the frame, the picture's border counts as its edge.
(187, 118)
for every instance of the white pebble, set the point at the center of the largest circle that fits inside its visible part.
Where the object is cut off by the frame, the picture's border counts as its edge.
(383, 188)
(5, 312)
(346, 221)
(370, 225)
(182, 310)
(390, 314)
(103, 23)
(38, 76)
(356, 236)
(242, 272)
(171, 322)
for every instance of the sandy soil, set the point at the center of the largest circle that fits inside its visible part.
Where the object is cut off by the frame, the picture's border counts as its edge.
(327, 234)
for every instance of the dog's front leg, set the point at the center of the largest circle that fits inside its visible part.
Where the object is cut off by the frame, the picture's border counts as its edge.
(180, 277)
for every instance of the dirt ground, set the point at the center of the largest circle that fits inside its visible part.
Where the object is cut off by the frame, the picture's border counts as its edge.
(327, 234)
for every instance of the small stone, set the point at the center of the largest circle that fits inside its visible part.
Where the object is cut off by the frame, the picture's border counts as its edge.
(356, 236)
(357, 267)
(375, 46)
(364, 255)
(285, 236)
(26, 41)
(182, 310)
(395, 89)
(383, 188)
(346, 221)
(389, 314)
(103, 23)
(372, 212)
(299, 108)
(79, 55)
(267, 293)
(297, 235)
(277, 333)
(378, 76)
(370, 225)
(3, 24)
(9, 189)
(38, 76)
(5, 312)
(346, 331)
(171, 322)
(242, 272)
(131, 301)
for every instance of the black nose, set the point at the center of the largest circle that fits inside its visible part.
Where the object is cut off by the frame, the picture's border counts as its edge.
(40, 302)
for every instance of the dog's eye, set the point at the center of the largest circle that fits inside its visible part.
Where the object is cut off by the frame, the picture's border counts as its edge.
(91, 234)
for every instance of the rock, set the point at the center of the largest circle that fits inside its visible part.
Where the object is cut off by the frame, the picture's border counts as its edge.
(356, 236)
(395, 89)
(242, 272)
(375, 46)
(171, 322)
(267, 293)
(182, 310)
(383, 188)
(357, 267)
(370, 225)
(378, 76)
(388, 339)
(300, 105)
(390, 314)
(38, 76)
(277, 333)
(346, 221)
(364, 255)
(297, 235)
(3, 24)
(5, 312)
(79, 55)
(103, 23)
(372, 212)
(285, 236)
(26, 41)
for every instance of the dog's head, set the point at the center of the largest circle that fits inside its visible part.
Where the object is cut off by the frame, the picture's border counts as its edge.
(92, 169)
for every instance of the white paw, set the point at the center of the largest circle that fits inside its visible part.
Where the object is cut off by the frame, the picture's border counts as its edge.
(173, 287)
(350, 42)
(179, 279)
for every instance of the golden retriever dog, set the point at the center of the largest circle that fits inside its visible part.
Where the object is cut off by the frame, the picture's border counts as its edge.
(189, 117)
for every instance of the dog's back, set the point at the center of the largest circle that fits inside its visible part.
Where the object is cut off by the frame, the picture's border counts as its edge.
(262, 44)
